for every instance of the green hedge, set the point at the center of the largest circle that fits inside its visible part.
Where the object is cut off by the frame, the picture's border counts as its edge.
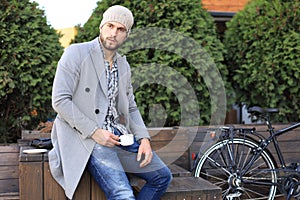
(263, 44)
(30, 50)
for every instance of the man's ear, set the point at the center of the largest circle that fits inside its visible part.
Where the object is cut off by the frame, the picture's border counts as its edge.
(127, 34)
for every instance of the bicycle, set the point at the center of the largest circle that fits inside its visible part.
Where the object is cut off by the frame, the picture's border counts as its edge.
(241, 164)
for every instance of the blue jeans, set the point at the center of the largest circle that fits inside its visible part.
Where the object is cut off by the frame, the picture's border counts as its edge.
(109, 166)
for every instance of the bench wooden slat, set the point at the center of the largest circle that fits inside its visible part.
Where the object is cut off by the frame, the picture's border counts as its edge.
(97, 193)
(84, 186)
(179, 171)
(11, 148)
(9, 185)
(187, 188)
(9, 172)
(9, 196)
(31, 179)
(7, 159)
(52, 188)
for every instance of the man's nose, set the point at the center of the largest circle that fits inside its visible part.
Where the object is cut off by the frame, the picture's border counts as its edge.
(114, 32)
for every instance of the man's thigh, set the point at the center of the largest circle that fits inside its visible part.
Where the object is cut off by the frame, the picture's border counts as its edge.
(107, 170)
(131, 165)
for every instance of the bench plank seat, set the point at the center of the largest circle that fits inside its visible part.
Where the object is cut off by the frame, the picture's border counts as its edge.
(185, 187)
(36, 182)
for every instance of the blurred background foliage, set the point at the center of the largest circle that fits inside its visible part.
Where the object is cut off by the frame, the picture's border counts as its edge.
(258, 60)
(263, 44)
(30, 50)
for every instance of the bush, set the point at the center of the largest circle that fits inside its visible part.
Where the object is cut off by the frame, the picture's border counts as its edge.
(168, 67)
(30, 50)
(263, 43)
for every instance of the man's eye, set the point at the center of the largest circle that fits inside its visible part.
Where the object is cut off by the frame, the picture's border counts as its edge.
(110, 25)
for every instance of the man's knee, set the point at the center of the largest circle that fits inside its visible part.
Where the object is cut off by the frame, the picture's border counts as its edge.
(168, 176)
(164, 177)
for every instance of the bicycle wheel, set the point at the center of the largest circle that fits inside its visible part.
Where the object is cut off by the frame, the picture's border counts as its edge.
(224, 165)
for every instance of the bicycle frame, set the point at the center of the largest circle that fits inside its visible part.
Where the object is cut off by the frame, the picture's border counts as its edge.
(272, 138)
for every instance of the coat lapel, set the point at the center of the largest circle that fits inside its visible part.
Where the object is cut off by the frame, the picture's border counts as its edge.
(97, 58)
(122, 71)
(122, 74)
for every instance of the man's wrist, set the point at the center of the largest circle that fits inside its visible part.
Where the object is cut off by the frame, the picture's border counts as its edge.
(93, 131)
(140, 140)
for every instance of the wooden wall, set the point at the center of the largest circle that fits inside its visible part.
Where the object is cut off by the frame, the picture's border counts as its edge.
(224, 5)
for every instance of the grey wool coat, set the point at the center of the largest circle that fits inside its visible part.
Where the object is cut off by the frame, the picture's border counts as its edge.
(80, 99)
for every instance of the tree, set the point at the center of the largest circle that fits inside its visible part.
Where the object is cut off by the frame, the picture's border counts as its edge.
(263, 43)
(175, 56)
(29, 52)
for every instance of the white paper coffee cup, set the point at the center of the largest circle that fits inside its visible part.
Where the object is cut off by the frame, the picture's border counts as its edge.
(126, 140)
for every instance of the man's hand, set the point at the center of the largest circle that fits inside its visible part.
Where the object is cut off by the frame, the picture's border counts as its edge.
(146, 150)
(105, 138)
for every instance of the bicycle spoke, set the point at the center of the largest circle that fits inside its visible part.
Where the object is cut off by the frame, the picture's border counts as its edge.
(223, 164)
(256, 168)
(222, 155)
(239, 156)
(213, 161)
(224, 193)
(217, 180)
(258, 180)
(259, 195)
(219, 159)
(246, 157)
(230, 154)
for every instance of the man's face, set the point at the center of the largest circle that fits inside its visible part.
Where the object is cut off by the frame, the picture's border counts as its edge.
(113, 35)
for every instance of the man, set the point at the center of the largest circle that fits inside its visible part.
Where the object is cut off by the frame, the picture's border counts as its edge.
(93, 97)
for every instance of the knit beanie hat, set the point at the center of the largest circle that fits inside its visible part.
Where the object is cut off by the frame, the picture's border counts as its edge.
(119, 14)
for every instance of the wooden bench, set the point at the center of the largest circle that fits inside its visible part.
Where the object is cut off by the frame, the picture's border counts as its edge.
(175, 146)
(36, 181)
(192, 188)
(184, 186)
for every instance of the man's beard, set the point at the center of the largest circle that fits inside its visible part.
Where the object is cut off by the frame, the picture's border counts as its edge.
(107, 46)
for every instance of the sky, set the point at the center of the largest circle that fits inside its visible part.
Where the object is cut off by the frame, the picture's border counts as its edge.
(67, 13)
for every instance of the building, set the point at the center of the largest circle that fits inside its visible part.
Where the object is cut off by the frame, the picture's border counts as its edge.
(68, 34)
(222, 11)
(224, 5)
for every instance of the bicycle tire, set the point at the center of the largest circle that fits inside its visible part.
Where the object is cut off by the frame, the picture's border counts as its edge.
(223, 163)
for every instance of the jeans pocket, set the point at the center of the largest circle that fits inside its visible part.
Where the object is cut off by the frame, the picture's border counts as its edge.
(131, 148)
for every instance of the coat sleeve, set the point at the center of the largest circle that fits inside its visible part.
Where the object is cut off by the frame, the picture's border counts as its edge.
(64, 87)
(136, 123)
